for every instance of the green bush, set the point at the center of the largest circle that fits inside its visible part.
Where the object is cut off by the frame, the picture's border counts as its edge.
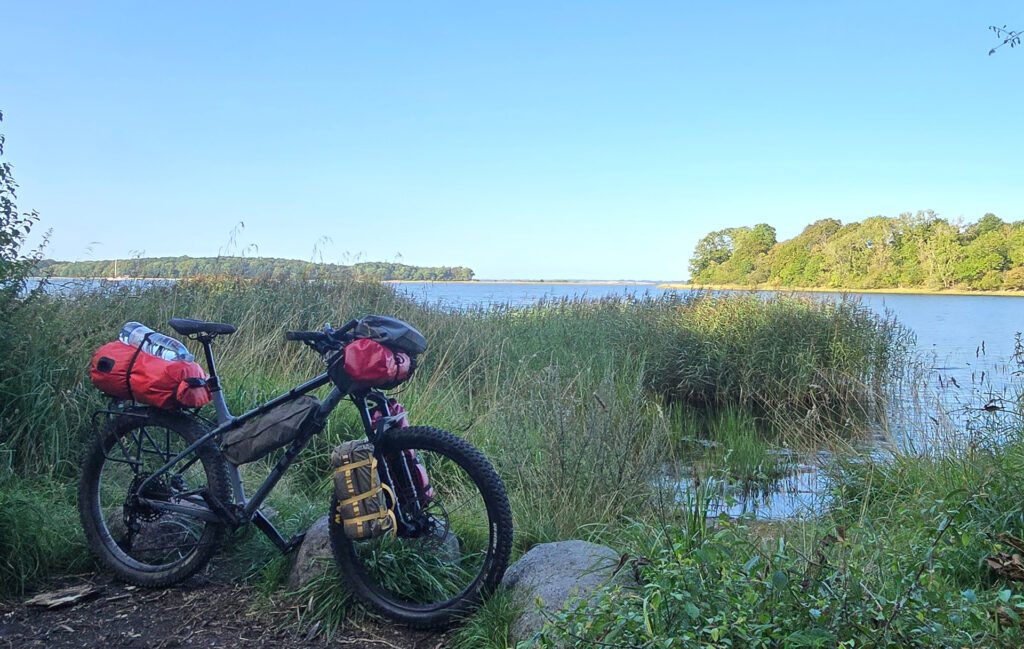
(739, 590)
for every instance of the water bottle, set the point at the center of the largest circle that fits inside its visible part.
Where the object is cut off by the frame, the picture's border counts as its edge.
(165, 347)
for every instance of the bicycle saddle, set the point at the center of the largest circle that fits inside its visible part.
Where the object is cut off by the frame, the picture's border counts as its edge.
(186, 326)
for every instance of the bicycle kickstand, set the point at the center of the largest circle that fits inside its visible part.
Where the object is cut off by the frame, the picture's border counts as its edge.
(264, 525)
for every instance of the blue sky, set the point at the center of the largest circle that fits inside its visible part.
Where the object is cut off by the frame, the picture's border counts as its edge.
(525, 140)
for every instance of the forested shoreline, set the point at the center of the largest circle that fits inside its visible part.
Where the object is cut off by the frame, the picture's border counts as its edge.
(252, 267)
(910, 251)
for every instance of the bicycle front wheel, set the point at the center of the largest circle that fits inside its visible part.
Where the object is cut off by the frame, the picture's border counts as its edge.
(454, 531)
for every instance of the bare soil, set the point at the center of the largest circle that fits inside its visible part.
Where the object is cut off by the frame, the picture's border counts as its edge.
(202, 612)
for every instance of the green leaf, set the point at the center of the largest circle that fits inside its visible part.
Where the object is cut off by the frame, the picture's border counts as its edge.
(780, 579)
(751, 564)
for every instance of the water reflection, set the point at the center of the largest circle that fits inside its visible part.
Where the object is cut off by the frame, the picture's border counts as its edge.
(932, 417)
(802, 492)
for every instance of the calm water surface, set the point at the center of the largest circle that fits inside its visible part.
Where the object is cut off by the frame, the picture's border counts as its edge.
(953, 330)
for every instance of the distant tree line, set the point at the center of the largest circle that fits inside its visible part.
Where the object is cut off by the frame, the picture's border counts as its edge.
(908, 251)
(170, 267)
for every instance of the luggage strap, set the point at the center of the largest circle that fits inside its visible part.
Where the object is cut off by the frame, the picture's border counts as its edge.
(131, 365)
(386, 513)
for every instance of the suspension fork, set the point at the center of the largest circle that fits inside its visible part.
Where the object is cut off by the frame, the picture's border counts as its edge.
(407, 511)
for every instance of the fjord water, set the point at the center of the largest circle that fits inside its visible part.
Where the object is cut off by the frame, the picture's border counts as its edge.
(959, 334)
(965, 343)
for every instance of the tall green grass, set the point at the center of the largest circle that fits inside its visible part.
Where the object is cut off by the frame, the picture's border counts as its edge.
(571, 399)
(40, 532)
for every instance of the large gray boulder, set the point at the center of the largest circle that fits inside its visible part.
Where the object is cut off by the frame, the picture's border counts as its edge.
(558, 574)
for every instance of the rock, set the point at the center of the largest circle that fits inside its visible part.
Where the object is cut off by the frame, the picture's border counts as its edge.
(446, 548)
(158, 541)
(558, 574)
(314, 556)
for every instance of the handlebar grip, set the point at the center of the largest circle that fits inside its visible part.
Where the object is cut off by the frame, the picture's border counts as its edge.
(305, 335)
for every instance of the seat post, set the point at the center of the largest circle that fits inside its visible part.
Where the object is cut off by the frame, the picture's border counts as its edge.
(221, 406)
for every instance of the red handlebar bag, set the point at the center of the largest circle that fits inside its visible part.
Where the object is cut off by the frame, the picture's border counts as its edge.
(125, 372)
(370, 363)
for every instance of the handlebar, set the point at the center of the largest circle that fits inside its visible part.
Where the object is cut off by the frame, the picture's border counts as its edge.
(312, 336)
(328, 335)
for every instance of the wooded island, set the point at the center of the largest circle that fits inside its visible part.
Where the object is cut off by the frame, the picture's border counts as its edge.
(908, 251)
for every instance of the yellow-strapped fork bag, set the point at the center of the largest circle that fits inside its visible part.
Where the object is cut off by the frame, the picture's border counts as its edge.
(362, 498)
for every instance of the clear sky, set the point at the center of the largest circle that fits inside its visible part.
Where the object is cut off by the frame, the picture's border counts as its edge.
(523, 139)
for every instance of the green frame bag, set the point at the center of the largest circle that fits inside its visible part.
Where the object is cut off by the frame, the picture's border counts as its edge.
(268, 432)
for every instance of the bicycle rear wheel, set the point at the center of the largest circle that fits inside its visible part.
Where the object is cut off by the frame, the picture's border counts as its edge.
(453, 541)
(144, 545)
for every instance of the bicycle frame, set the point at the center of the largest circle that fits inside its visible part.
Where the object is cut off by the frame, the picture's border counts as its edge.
(246, 510)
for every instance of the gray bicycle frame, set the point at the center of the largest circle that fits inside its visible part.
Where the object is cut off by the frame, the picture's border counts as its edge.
(226, 421)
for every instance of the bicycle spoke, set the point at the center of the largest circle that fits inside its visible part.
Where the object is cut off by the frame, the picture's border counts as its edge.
(131, 463)
(127, 458)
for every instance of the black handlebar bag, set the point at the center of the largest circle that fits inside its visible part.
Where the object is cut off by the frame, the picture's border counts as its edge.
(392, 333)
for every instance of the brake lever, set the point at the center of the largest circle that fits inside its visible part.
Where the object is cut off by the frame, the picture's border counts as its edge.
(341, 336)
(323, 347)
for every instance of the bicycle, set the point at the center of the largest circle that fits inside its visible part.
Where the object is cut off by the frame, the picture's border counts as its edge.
(157, 496)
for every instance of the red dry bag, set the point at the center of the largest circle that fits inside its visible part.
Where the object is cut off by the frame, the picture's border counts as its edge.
(125, 372)
(372, 364)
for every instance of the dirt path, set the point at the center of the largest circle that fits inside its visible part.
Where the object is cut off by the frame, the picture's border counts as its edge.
(201, 612)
